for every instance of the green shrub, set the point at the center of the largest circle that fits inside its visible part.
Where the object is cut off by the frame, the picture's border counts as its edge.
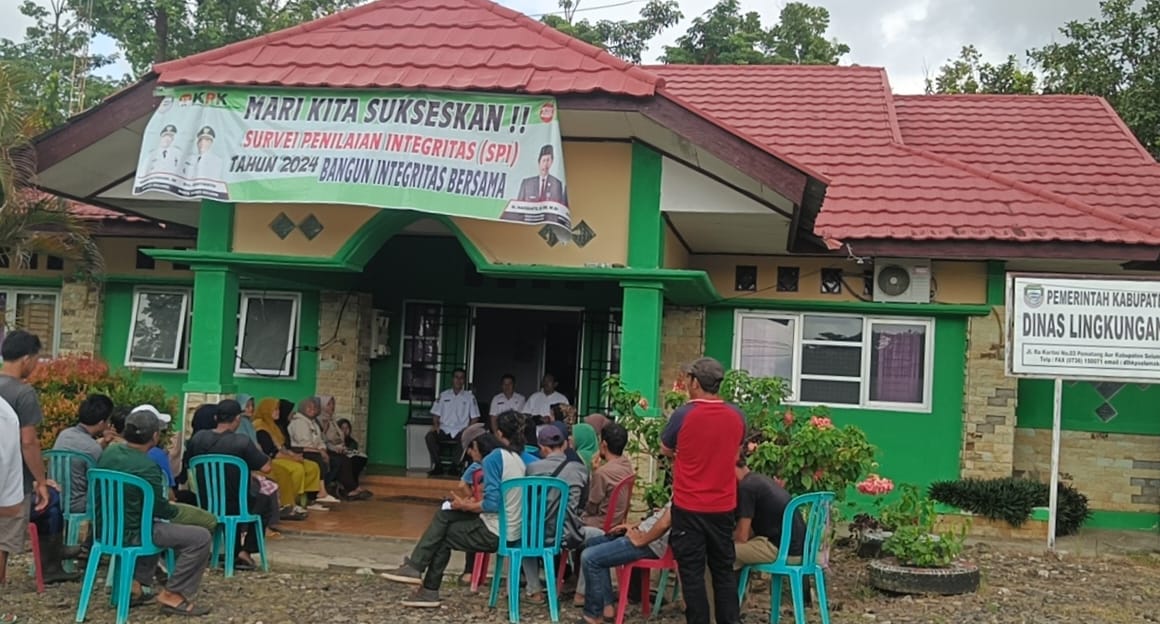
(914, 545)
(1013, 500)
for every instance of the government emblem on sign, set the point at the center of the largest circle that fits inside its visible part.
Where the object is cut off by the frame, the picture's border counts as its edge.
(1033, 295)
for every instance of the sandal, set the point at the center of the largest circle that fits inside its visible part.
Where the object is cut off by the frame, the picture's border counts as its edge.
(9, 618)
(185, 609)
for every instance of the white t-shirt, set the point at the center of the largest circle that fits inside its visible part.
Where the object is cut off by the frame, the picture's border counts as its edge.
(540, 404)
(501, 404)
(11, 457)
(455, 411)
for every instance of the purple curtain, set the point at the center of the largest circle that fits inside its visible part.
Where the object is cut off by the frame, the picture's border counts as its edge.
(900, 366)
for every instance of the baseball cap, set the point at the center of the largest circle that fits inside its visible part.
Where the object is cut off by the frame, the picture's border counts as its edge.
(140, 425)
(550, 437)
(707, 371)
(469, 435)
(164, 419)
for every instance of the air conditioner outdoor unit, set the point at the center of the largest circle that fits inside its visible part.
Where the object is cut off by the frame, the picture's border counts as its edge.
(901, 281)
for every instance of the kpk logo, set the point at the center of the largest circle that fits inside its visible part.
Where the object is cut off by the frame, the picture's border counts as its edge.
(1033, 295)
(216, 99)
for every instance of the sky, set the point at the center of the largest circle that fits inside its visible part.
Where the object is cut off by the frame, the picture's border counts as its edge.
(910, 38)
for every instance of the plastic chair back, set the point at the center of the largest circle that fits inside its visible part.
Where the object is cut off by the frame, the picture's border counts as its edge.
(622, 489)
(818, 505)
(60, 469)
(108, 491)
(540, 497)
(215, 475)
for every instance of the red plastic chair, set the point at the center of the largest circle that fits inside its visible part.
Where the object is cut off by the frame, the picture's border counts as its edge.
(38, 566)
(624, 488)
(479, 568)
(646, 566)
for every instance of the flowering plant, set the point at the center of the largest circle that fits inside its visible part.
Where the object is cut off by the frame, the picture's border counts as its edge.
(872, 485)
(630, 409)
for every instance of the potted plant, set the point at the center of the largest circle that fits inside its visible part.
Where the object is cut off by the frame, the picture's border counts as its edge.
(869, 531)
(922, 561)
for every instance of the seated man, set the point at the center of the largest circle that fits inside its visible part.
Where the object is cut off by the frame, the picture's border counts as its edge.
(556, 463)
(225, 440)
(90, 436)
(191, 543)
(469, 525)
(49, 523)
(647, 540)
(612, 469)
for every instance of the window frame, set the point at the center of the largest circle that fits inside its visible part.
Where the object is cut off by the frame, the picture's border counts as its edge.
(289, 368)
(181, 357)
(869, 321)
(403, 336)
(13, 292)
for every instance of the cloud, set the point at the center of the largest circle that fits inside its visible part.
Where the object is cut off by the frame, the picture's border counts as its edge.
(911, 38)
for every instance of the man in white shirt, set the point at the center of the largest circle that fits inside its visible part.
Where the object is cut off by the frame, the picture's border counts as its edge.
(540, 403)
(508, 400)
(452, 412)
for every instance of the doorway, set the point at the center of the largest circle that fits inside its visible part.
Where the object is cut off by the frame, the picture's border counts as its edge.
(526, 342)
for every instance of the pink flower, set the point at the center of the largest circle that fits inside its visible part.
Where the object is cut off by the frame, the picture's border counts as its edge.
(788, 419)
(752, 446)
(875, 485)
(818, 474)
(678, 386)
(643, 403)
(821, 422)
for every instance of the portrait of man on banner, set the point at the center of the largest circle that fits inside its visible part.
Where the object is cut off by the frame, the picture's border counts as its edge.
(166, 157)
(544, 187)
(203, 163)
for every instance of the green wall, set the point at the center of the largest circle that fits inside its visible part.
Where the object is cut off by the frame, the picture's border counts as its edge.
(437, 269)
(1135, 406)
(115, 340)
(917, 448)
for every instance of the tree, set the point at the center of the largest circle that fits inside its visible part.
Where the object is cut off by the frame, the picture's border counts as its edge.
(30, 221)
(1117, 56)
(725, 36)
(969, 74)
(624, 38)
(151, 31)
(53, 58)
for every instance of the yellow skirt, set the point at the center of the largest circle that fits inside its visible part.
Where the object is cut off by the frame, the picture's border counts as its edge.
(294, 479)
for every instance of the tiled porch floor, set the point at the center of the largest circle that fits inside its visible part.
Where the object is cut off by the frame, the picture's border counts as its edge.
(401, 509)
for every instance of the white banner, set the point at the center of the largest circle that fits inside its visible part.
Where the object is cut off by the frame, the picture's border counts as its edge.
(1083, 327)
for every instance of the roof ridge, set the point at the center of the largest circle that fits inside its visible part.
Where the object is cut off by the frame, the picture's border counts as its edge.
(1042, 193)
(587, 49)
(998, 96)
(769, 67)
(1148, 158)
(891, 114)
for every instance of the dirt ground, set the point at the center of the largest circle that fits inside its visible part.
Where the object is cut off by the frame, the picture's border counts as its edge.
(1017, 586)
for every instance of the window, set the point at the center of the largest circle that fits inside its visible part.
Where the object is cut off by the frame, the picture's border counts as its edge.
(840, 359)
(159, 334)
(268, 334)
(421, 347)
(34, 311)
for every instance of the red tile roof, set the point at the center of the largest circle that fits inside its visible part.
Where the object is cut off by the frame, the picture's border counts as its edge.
(88, 212)
(1031, 168)
(418, 44)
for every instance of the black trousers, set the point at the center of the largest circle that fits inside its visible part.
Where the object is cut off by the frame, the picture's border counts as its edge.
(698, 539)
(433, 439)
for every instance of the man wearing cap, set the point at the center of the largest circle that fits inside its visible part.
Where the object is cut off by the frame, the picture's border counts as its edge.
(544, 187)
(191, 543)
(557, 463)
(204, 165)
(704, 437)
(166, 156)
(453, 411)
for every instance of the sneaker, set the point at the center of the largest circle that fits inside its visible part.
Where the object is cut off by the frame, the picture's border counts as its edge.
(424, 598)
(406, 573)
(326, 499)
(317, 507)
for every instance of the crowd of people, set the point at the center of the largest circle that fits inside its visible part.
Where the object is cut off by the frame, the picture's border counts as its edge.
(721, 516)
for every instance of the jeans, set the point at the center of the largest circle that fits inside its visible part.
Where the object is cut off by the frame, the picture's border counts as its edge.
(600, 555)
(589, 534)
(50, 520)
(449, 530)
(698, 539)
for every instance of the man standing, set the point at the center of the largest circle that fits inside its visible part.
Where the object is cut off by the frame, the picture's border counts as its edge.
(21, 353)
(192, 543)
(508, 400)
(90, 436)
(704, 437)
(540, 404)
(452, 412)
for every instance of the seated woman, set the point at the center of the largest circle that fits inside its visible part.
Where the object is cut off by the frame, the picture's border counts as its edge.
(298, 480)
(267, 486)
(306, 434)
(335, 439)
(358, 459)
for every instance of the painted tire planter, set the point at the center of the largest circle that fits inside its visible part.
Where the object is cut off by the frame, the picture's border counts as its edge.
(888, 575)
(870, 543)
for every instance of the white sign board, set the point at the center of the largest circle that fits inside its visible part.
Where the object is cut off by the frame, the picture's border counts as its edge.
(1083, 327)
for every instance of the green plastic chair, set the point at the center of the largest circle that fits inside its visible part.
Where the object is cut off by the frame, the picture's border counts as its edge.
(802, 567)
(215, 474)
(106, 493)
(539, 494)
(60, 465)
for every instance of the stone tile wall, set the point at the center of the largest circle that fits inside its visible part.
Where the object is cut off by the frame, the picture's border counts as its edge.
(682, 341)
(344, 357)
(81, 308)
(988, 402)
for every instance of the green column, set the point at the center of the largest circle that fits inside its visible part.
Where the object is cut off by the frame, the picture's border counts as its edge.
(214, 330)
(640, 342)
(646, 234)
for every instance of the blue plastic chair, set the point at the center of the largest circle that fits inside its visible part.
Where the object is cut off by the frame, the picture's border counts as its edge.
(215, 474)
(538, 495)
(106, 494)
(817, 519)
(60, 464)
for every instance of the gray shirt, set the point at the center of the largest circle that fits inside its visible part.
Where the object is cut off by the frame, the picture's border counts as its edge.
(22, 398)
(77, 438)
(660, 544)
(575, 474)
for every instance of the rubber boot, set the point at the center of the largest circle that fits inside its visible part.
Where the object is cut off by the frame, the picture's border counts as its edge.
(51, 549)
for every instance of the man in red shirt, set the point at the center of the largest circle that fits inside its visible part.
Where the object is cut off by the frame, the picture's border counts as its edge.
(704, 437)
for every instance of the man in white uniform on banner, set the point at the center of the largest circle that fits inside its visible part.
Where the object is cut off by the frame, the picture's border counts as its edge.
(166, 157)
(204, 165)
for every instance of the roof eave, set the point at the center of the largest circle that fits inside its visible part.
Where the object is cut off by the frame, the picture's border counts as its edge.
(1002, 249)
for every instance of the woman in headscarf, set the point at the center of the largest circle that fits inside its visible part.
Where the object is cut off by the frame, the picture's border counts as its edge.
(336, 439)
(298, 480)
(306, 434)
(597, 422)
(246, 422)
(585, 441)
